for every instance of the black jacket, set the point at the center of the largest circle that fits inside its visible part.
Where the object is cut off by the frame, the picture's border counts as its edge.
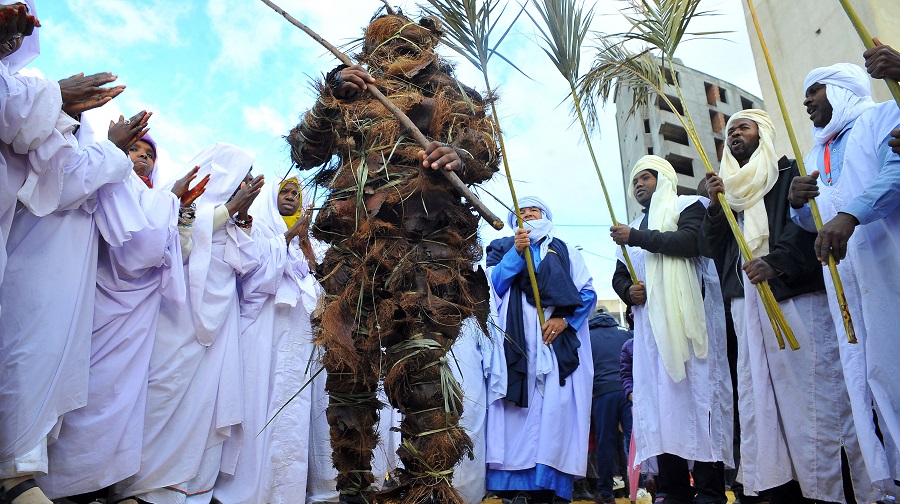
(790, 247)
(681, 243)
(607, 339)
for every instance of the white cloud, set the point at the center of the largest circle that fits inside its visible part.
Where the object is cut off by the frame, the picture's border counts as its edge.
(124, 22)
(265, 119)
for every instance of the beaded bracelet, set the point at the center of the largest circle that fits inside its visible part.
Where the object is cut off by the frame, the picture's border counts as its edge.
(244, 224)
(186, 216)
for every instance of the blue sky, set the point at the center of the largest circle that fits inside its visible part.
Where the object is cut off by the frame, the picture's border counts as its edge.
(235, 71)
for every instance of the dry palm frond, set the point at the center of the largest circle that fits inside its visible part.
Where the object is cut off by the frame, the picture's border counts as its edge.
(468, 28)
(565, 28)
(658, 27)
(814, 207)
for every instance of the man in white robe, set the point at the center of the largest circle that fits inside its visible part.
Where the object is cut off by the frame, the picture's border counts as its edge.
(539, 430)
(794, 408)
(100, 444)
(271, 459)
(859, 179)
(682, 387)
(194, 395)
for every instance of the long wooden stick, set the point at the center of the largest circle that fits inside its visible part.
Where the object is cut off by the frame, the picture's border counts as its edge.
(814, 207)
(451, 176)
(529, 261)
(869, 43)
(773, 309)
(612, 214)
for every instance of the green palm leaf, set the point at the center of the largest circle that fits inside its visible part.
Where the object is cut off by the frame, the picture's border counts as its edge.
(657, 28)
(468, 28)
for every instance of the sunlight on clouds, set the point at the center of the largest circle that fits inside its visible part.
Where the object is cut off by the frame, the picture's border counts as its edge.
(124, 22)
(265, 119)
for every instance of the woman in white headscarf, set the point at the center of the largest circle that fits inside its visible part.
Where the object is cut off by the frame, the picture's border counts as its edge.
(269, 463)
(100, 444)
(194, 395)
(682, 388)
(859, 176)
(47, 294)
(538, 425)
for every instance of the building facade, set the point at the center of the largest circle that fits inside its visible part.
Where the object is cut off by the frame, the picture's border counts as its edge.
(655, 129)
(805, 34)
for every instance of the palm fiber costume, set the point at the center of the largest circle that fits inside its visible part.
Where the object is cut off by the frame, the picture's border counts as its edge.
(399, 271)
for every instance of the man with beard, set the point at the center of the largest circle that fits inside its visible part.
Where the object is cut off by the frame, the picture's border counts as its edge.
(858, 176)
(794, 409)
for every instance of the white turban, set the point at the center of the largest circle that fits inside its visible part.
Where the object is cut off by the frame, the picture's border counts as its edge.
(745, 186)
(540, 228)
(848, 91)
(674, 298)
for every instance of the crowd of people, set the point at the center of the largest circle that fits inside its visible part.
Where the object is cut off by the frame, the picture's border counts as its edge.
(190, 340)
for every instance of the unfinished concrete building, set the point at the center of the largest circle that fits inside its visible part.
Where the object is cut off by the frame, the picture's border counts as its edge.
(656, 129)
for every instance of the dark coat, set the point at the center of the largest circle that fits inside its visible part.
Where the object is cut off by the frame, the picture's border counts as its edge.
(607, 339)
(790, 247)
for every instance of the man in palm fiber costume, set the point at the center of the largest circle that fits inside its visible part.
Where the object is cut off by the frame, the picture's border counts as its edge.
(399, 273)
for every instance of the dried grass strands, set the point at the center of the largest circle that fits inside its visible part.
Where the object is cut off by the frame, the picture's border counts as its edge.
(468, 26)
(869, 43)
(814, 207)
(565, 28)
(661, 25)
(452, 177)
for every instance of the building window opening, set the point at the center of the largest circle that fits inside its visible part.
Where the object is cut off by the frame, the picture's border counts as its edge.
(712, 94)
(663, 105)
(674, 133)
(646, 125)
(683, 165)
(717, 122)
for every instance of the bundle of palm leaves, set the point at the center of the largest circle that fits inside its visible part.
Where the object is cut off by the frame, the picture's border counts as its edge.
(657, 29)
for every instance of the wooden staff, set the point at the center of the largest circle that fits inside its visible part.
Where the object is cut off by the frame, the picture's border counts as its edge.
(813, 206)
(869, 43)
(451, 176)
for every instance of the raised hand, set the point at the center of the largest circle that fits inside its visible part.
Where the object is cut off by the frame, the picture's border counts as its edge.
(126, 132)
(186, 194)
(301, 227)
(522, 239)
(714, 186)
(882, 62)
(81, 93)
(245, 195)
(15, 22)
(620, 234)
